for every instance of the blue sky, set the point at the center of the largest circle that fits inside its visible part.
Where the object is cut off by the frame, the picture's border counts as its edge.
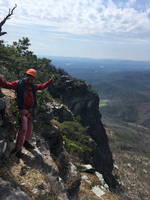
(115, 29)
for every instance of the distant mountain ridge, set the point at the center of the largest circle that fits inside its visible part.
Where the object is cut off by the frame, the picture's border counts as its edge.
(88, 62)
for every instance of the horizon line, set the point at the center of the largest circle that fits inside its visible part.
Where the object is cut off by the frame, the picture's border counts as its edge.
(110, 59)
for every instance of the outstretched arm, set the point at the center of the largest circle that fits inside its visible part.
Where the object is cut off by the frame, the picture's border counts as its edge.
(44, 85)
(8, 85)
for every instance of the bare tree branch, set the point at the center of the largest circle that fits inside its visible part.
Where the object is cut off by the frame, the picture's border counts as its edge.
(6, 18)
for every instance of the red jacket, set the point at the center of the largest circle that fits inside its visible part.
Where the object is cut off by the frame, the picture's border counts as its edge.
(28, 96)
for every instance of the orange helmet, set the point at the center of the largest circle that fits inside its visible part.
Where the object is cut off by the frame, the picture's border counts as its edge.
(31, 72)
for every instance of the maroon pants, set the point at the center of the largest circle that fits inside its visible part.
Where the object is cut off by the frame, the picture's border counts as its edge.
(25, 130)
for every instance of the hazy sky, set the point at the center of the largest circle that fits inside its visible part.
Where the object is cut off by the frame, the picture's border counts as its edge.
(81, 28)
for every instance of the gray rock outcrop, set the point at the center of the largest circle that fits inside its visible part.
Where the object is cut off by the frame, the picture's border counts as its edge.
(83, 102)
(9, 192)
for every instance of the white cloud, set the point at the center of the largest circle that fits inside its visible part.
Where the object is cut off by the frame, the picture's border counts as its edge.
(94, 17)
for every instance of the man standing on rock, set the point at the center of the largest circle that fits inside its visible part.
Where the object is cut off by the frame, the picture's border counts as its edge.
(26, 100)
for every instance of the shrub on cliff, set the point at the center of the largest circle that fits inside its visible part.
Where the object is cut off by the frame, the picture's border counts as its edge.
(77, 141)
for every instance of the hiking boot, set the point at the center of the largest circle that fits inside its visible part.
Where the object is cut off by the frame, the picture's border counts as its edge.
(28, 146)
(17, 153)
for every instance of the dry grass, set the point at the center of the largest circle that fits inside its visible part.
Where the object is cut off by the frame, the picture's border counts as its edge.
(111, 196)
